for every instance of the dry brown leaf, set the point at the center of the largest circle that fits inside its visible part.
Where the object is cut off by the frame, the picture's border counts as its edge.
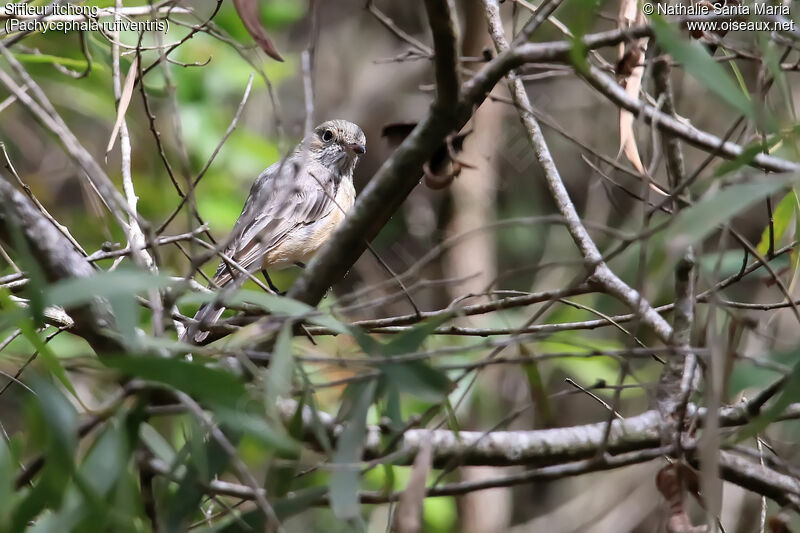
(672, 481)
(124, 102)
(444, 165)
(408, 514)
(628, 12)
(251, 18)
(627, 139)
(779, 524)
(630, 59)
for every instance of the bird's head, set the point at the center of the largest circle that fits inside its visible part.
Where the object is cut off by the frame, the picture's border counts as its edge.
(337, 144)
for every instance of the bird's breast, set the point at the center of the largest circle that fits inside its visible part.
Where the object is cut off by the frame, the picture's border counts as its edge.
(301, 244)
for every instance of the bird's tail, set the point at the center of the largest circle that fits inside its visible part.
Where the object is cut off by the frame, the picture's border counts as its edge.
(205, 316)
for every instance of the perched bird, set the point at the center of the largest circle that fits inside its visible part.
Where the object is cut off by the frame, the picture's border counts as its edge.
(292, 209)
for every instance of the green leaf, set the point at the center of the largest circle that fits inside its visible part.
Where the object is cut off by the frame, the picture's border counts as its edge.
(180, 505)
(419, 379)
(210, 385)
(538, 390)
(789, 394)
(781, 217)
(300, 501)
(156, 443)
(78, 64)
(126, 315)
(693, 224)
(48, 358)
(36, 276)
(696, 60)
(78, 291)
(7, 493)
(53, 417)
(281, 367)
(748, 154)
(195, 442)
(274, 437)
(415, 377)
(99, 472)
(276, 305)
(344, 481)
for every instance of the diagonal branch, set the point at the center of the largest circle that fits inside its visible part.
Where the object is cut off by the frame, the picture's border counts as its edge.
(399, 174)
(601, 274)
(58, 259)
(440, 18)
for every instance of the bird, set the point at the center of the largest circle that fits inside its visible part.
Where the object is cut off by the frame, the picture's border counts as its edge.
(292, 209)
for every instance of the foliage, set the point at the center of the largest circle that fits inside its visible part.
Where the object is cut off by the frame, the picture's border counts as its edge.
(307, 415)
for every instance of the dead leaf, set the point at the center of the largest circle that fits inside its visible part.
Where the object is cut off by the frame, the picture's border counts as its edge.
(124, 102)
(672, 481)
(627, 139)
(629, 64)
(711, 39)
(251, 18)
(779, 524)
(408, 514)
(444, 165)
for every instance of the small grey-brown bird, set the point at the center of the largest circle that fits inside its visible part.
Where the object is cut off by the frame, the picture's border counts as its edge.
(292, 209)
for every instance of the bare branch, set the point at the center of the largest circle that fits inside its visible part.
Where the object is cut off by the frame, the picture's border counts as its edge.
(440, 18)
(58, 259)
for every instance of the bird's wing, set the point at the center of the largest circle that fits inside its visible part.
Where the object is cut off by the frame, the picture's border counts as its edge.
(285, 196)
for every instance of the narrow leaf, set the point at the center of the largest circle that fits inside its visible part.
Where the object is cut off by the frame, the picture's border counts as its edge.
(781, 217)
(344, 481)
(213, 386)
(124, 101)
(696, 60)
(698, 221)
(251, 18)
(78, 291)
(408, 515)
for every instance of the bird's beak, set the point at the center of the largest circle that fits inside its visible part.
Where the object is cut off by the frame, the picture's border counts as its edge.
(357, 149)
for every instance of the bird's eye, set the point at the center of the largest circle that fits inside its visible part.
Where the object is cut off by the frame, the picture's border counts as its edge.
(327, 136)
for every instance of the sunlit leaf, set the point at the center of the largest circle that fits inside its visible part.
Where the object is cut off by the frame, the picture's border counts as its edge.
(781, 216)
(78, 64)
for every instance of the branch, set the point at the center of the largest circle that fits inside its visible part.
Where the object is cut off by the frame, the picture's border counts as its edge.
(398, 176)
(57, 258)
(783, 489)
(554, 453)
(601, 274)
(440, 18)
(697, 138)
(540, 447)
(44, 112)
